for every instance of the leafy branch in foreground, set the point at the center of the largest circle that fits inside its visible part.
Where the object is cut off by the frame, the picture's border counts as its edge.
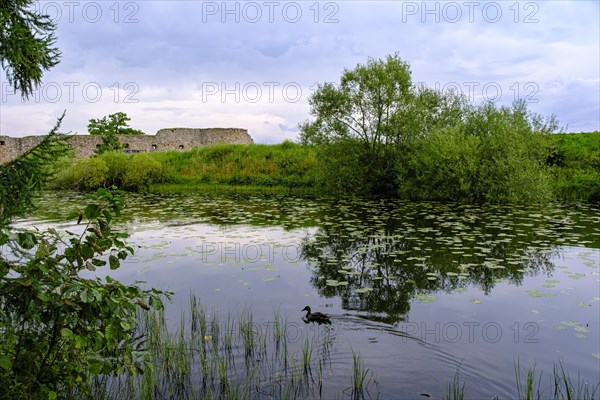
(22, 178)
(26, 44)
(60, 329)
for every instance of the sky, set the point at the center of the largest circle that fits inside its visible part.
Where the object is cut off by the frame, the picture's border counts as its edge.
(255, 64)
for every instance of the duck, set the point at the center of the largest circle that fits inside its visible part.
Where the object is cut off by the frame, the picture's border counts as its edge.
(317, 317)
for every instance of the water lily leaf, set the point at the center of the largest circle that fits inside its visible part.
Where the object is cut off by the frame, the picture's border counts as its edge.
(561, 327)
(537, 293)
(424, 298)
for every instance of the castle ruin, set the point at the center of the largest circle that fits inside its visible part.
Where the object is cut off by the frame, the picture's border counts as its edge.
(165, 139)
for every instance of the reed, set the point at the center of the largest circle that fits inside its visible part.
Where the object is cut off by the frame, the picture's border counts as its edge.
(209, 357)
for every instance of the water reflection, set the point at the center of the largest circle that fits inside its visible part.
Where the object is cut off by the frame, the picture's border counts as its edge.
(407, 281)
(382, 258)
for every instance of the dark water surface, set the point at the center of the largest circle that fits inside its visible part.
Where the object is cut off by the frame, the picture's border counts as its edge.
(420, 290)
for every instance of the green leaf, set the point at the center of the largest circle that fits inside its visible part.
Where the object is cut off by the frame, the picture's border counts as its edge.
(92, 211)
(5, 363)
(98, 263)
(26, 240)
(113, 261)
(66, 333)
(85, 296)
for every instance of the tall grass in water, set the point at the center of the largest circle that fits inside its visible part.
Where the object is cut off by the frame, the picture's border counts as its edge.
(361, 377)
(561, 385)
(533, 386)
(212, 357)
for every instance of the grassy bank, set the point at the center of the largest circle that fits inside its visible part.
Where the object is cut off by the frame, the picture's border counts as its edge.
(573, 162)
(276, 167)
(282, 165)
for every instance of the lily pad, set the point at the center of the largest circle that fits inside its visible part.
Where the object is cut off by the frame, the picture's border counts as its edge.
(425, 299)
(537, 293)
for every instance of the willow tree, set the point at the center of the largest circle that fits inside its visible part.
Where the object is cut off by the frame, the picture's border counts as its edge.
(370, 117)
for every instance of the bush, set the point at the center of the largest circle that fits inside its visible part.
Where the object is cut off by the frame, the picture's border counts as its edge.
(59, 330)
(141, 171)
(339, 169)
(133, 172)
(442, 167)
(117, 163)
(91, 173)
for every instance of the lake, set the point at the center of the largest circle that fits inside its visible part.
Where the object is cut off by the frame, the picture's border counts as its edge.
(421, 290)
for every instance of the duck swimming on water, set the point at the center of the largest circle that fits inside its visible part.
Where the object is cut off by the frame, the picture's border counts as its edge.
(317, 317)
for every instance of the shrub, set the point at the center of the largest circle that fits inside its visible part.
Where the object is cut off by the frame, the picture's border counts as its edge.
(117, 163)
(141, 171)
(91, 173)
(60, 329)
(441, 167)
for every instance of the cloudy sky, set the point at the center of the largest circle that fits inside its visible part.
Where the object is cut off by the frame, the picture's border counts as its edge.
(254, 64)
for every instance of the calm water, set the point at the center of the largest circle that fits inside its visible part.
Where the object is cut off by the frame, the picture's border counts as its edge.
(419, 289)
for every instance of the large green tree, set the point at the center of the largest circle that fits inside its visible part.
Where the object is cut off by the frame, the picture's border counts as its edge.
(365, 122)
(108, 128)
(26, 44)
(379, 133)
(377, 104)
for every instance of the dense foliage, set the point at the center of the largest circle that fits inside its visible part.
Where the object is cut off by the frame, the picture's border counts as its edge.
(284, 165)
(26, 44)
(108, 128)
(379, 133)
(114, 168)
(575, 165)
(449, 165)
(59, 328)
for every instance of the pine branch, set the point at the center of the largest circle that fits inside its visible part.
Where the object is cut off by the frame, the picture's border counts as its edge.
(22, 178)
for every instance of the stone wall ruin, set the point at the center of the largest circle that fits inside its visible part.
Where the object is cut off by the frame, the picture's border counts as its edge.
(165, 139)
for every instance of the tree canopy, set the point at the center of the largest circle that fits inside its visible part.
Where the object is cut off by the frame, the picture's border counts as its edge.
(377, 104)
(26, 44)
(378, 132)
(109, 127)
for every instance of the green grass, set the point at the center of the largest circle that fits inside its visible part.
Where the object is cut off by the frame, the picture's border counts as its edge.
(290, 167)
(576, 169)
(209, 357)
(558, 385)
